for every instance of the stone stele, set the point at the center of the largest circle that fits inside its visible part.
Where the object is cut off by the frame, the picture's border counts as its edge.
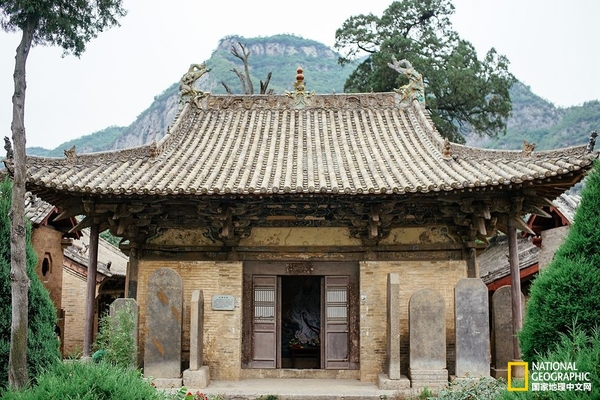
(162, 347)
(472, 328)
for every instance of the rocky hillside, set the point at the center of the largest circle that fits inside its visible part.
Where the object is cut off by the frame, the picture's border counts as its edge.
(534, 119)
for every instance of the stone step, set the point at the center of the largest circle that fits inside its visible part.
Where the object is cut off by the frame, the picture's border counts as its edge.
(302, 389)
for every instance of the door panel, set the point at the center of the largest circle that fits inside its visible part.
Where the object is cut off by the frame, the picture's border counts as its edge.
(264, 331)
(336, 322)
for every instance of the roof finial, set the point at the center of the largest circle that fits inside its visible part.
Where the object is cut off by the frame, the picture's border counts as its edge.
(592, 142)
(528, 148)
(300, 95)
(415, 87)
(187, 91)
(70, 154)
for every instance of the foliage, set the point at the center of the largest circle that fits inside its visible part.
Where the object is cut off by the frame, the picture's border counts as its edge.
(579, 347)
(481, 389)
(425, 394)
(42, 343)
(569, 287)
(65, 23)
(462, 92)
(115, 340)
(88, 381)
(110, 238)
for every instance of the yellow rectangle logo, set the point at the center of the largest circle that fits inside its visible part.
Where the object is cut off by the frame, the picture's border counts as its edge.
(525, 366)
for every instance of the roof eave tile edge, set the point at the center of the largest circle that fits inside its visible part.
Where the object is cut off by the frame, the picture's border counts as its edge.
(427, 124)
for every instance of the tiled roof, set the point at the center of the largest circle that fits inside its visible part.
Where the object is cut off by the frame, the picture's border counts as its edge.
(36, 209)
(494, 263)
(264, 144)
(567, 205)
(111, 261)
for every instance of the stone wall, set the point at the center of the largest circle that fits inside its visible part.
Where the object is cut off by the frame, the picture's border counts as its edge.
(414, 275)
(222, 329)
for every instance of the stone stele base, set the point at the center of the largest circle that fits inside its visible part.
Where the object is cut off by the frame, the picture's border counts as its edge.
(500, 373)
(434, 378)
(167, 383)
(197, 379)
(386, 383)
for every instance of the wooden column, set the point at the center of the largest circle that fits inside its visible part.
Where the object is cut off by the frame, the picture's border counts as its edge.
(131, 278)
(515, 285)
(472, 271)
(90, 300)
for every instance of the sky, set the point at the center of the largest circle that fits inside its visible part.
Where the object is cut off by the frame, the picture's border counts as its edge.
(552, 46)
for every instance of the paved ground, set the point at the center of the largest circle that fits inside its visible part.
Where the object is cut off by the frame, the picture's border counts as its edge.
(301, 389)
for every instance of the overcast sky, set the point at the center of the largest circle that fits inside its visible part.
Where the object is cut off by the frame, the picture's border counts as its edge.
(552, 46)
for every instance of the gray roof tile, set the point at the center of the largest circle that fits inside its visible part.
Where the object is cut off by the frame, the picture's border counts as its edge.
(261, 144)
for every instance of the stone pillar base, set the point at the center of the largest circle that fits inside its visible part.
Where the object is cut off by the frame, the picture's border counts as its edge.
(500, 373)
(430, 378)
(197, 379)
(386, 383)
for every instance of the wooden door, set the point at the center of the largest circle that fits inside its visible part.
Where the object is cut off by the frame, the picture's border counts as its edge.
(264, 318)
(336, 322)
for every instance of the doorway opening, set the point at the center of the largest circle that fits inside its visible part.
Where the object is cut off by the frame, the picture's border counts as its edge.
(300, 316)
(301, 322)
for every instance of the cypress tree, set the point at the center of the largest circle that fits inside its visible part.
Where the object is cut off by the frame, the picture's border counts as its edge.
(567, 291)
(42, 342)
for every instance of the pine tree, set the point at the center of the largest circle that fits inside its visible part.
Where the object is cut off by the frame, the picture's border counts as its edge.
(568, 290)
(42, 343)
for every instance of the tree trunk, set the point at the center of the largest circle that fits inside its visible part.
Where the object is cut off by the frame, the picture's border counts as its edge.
(17, 362)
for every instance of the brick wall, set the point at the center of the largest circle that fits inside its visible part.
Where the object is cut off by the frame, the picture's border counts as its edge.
(222, 329)
(47, 244)
(414, 275)
(73, 301)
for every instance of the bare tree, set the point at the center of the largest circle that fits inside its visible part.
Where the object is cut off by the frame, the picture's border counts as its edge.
(247, 87)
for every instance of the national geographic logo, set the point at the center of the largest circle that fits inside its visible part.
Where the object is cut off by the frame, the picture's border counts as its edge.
(549, 376)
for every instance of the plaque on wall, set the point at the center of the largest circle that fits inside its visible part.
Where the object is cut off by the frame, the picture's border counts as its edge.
(223, 302)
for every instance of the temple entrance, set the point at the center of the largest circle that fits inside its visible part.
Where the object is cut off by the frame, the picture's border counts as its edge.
(301, 321)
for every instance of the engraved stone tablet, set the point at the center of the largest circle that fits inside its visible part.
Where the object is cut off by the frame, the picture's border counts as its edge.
(164, 304)
(223, 302)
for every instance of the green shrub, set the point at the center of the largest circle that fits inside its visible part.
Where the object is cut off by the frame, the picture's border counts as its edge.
(578, 347)
(42, 342)
(471, 389)
(569, 287)
(115, 340)
(88, 381)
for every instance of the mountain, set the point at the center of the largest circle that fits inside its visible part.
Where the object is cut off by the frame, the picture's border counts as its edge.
(534, 119)
(539, 121)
